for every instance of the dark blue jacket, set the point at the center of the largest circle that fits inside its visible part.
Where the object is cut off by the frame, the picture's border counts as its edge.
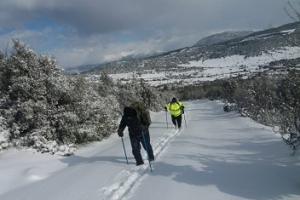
(136, 125)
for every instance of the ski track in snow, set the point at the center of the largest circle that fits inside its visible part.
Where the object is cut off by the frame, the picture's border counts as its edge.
(127, 181)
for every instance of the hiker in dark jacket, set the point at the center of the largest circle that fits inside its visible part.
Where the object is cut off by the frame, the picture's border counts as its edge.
(136, 126)
(176, 109)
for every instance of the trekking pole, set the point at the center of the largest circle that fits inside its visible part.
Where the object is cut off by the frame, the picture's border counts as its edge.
(124, 150)
(167, 119)
(184, 120)
(147, 150)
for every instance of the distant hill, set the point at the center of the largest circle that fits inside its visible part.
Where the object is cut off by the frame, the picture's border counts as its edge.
(271, 50)
(79, 69)
(83, 68)
(222, 37)
(141, 55)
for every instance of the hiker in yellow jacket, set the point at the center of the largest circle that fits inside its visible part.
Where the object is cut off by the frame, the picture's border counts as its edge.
(176, 109)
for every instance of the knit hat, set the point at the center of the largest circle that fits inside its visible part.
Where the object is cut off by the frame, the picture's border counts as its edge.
(174, 100)
(130, 112)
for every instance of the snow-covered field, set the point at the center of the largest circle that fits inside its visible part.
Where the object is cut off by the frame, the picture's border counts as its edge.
(211, 69)
(216, 155)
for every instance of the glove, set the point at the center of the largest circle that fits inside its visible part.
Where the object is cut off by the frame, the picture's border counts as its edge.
(120, 133)
(182, 109)
(143, 128)
(166, 109)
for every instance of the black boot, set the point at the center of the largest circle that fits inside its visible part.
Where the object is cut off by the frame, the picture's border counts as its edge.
(138, 159)
(150, 152)
(151, 156)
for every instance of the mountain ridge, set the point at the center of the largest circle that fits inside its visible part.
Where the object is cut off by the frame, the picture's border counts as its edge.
(242, 56)
(222, 37)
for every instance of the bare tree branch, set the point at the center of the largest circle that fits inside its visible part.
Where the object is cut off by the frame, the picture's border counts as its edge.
(292, 11)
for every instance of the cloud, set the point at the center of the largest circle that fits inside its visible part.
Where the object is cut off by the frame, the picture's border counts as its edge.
(94, 53)
(90, 31)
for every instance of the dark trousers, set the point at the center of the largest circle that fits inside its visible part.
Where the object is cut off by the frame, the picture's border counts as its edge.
(177, 120)
(136, 142)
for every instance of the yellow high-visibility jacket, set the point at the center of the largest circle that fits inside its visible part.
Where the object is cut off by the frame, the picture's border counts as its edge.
(175, 108)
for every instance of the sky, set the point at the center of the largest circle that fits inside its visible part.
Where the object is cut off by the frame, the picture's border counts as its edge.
(80, 32)
(216, 155)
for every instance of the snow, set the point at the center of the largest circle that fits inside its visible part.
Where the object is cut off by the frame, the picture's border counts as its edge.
(212, 69)
(216, 155)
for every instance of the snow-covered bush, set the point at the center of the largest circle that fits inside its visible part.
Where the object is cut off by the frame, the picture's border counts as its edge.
(227, 107)
(54, 113)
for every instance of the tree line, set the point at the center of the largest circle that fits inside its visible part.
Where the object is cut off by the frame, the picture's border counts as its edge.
(272, 99)
(44, 109)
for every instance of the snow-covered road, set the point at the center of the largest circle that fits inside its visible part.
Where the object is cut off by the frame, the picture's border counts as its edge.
(217, 155)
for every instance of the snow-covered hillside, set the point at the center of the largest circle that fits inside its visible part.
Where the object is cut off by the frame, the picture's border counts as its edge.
(222, 37)
(267, 51)
(212, 69)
